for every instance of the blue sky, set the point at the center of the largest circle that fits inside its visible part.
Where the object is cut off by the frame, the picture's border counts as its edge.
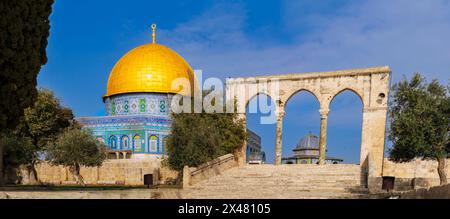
(244, 38)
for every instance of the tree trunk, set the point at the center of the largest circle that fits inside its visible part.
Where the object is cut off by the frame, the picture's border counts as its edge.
(33, 174)
(75, 170)
(29, 175)
(2, 175)
(442, 170)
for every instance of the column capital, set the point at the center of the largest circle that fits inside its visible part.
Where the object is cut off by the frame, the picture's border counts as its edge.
(324, 113)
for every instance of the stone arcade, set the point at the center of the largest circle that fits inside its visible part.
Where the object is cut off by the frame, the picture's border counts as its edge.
(370, 84)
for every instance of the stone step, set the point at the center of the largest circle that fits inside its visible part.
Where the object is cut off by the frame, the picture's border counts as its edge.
(286, 186)
(300, 169)
(304, 169)
(300, 185)
(311, 173)
(295, 178)
(265, 180)
(288, 175)
(254, 186)
(296, 195)
(285, 181)
(273, 190)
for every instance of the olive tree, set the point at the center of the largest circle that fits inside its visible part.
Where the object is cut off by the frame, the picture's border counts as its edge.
(196, 138)
(41, 124)
(75, 148)
(419, 122)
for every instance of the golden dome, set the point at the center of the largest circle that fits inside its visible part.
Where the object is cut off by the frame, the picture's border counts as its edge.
(148, 68)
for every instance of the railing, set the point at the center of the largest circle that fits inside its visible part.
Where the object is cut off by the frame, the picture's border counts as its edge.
(212, 168)
(211, 164)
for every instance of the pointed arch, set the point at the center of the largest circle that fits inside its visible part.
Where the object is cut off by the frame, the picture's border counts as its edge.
(137, 146)
(125, 142)
(113, 142)
(257, 95)
(261, 142)
(299, 91)
(347, 89)
(302, 119)
(345, 126)
(153, 143)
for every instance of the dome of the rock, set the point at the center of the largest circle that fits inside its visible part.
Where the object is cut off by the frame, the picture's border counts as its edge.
(149, 68)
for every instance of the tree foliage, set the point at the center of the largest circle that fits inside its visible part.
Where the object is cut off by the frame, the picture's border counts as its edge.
(39, 127)
(75, 148)
(17, 150)
(44, 120)
(200, 137)
(419, 121)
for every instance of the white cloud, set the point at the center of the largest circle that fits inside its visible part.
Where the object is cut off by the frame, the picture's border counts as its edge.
(409, 36)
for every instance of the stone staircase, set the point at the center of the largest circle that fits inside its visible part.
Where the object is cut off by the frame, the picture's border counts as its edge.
(285, 181)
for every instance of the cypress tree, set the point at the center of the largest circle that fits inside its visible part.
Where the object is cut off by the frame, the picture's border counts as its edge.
(24, 29)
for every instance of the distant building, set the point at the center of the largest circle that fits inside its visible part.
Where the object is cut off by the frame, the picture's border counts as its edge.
(254, 152)
(307, 152)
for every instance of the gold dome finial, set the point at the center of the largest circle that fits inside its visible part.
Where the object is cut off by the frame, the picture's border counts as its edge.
(153, 33)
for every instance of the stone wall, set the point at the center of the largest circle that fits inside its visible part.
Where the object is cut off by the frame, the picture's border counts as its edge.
(438, 192)
(415, 174)
(118, 172)
(162, 193)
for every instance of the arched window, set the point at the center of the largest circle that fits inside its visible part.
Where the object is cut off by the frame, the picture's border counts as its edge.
(125, 142)
(113, 142)
(137, 143)
(153, 143)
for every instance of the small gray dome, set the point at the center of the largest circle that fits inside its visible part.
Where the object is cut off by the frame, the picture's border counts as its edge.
(310, 141)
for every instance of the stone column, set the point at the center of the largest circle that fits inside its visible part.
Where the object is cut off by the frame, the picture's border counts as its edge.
(117, 155)
(279, 136)
(323, 135)
(124, 155)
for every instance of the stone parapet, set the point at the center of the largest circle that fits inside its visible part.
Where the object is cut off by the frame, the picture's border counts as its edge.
(437, 192)
(119, 172)
(414, 174)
